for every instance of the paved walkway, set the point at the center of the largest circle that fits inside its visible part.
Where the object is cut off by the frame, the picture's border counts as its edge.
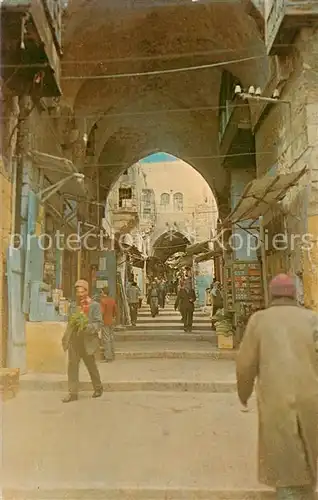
(168, 427)
(144, 440)
(202, 370)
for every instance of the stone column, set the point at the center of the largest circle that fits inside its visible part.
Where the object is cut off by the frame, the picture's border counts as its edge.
(310, 255)
(310, 277)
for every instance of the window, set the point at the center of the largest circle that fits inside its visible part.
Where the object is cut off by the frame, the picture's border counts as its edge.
(125, 198)
(178, 202)
(146, 196)
(91, 142)
(146, 213)
(165, 200)
(226, 101)
(91, 212)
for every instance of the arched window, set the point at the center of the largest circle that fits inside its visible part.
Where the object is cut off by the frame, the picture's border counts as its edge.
(147, 207)
(165, 200)
(178, 202)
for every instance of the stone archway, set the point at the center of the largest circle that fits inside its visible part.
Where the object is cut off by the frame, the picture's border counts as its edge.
(175, 112)
(169, 243)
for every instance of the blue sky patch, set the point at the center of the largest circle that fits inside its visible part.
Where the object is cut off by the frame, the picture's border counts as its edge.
(158, 158)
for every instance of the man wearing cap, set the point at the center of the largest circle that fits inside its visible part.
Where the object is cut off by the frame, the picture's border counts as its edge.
(279, 349)
(83, 343)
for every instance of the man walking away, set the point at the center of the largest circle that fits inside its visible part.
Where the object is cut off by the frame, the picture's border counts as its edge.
(185, 300)
(81, 341)
(133, 294)
(162, 293)
(109, 311)
(153, 299)
(279, 350)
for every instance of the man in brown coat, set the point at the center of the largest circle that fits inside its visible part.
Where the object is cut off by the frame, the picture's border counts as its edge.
(279, 350)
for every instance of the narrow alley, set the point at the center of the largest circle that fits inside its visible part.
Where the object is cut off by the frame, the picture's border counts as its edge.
(158, 191)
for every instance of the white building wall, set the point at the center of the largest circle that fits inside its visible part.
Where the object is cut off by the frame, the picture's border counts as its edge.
(199, 214)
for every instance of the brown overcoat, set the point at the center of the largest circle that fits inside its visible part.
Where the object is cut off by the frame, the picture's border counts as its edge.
(279, 350)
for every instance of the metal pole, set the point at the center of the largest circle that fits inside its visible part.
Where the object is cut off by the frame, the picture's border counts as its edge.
(79, 253)
(49, 191)
(21, 150)
(98, 196)
(263, 256)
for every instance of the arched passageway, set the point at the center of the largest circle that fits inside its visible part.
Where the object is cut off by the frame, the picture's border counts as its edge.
(170, 203)
(168, 244)
(156, 106)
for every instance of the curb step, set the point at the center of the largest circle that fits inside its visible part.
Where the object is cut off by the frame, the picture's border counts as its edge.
(132, 386)
(103, 493)
(167, 336)
(175, 328)
(177, 322)
(173, 354)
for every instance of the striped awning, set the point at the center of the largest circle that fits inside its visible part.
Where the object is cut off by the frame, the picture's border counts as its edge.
(198, 248)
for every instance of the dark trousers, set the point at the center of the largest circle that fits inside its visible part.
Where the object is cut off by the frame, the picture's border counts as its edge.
(162, 301)
(108, 342)
(133, 313)
(187, 318)
(76, 352)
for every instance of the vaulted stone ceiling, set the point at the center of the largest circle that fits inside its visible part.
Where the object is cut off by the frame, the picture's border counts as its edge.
(168, 244)
(138, 115)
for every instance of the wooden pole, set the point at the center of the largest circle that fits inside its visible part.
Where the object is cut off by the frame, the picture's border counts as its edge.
(263, 257)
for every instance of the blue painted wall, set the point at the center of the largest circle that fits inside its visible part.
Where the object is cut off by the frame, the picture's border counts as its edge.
(202, 283)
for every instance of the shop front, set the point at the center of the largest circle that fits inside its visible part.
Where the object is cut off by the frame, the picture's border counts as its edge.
(50, 263)
(246, 279)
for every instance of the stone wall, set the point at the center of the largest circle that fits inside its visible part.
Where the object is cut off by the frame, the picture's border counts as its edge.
(286, 141)
(44, 136)
(8, 141)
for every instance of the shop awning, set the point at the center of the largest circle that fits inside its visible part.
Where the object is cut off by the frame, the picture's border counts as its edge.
(261, 194)
(56, 169)
(198, 248)
(184, 261)
(137, 257)
(208, 256)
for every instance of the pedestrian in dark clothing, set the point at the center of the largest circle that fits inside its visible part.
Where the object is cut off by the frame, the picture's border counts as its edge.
(133, 295)
(162, 293)
(185, 301)
(109, 311)
(81, 341)
(153, 299)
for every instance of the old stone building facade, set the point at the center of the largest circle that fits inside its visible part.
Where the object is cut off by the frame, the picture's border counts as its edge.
(184, 202)
(103, 124)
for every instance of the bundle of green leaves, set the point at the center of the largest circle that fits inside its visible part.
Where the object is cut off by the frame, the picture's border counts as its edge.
(78, 321)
